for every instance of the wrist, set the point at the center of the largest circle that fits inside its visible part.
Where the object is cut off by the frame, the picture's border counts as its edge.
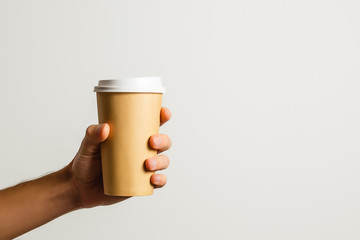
(68, 191)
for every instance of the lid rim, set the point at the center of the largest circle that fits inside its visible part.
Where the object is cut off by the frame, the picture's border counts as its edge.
(130, 90)
(136, 84)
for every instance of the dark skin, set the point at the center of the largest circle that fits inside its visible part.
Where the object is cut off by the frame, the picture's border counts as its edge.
(86, 166)
(79, 185)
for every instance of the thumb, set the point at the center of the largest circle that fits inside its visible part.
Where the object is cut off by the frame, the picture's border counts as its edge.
(95, 134)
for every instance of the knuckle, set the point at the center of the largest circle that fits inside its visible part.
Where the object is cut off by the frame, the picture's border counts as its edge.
(164, 179)
(168, 138)
(166, 160)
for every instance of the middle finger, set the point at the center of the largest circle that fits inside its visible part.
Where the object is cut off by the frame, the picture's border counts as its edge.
(160, 142)
(158, 162)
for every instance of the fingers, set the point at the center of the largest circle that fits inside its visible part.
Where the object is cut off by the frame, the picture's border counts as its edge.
(160, 142)
(158, 180)
(95, 134)
(156, 163)
(165, 115)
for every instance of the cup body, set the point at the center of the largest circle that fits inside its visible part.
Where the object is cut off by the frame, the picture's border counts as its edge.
(133, 117)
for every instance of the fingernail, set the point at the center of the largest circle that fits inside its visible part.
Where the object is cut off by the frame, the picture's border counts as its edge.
(157, 179)
(157, 141)
(98, 129)
(168, 111)
(152, 164)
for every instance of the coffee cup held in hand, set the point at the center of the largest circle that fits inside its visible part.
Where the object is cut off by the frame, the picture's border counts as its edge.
(131, 107)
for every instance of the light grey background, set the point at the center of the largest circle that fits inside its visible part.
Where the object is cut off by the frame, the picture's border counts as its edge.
(265, 101)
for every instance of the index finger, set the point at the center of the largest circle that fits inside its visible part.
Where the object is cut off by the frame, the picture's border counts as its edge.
(165, 115)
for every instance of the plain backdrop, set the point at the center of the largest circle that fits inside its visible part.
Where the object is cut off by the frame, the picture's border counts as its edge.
(265, 101)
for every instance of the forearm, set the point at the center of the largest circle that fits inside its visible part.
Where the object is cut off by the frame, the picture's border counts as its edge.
(34, 203)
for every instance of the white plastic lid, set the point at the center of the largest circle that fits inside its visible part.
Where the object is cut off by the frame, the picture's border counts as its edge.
(138, 84)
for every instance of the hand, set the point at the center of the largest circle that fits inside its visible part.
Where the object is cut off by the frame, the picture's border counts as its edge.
(86, 166)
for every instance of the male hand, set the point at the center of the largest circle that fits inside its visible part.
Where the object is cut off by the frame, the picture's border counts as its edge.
(86, 166)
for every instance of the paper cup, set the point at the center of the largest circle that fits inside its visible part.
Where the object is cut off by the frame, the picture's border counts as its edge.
(131, 107)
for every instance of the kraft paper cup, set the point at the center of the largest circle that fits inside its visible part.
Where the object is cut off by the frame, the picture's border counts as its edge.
(131, 107)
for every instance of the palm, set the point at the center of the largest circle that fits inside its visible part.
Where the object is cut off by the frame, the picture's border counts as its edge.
(88, 180)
